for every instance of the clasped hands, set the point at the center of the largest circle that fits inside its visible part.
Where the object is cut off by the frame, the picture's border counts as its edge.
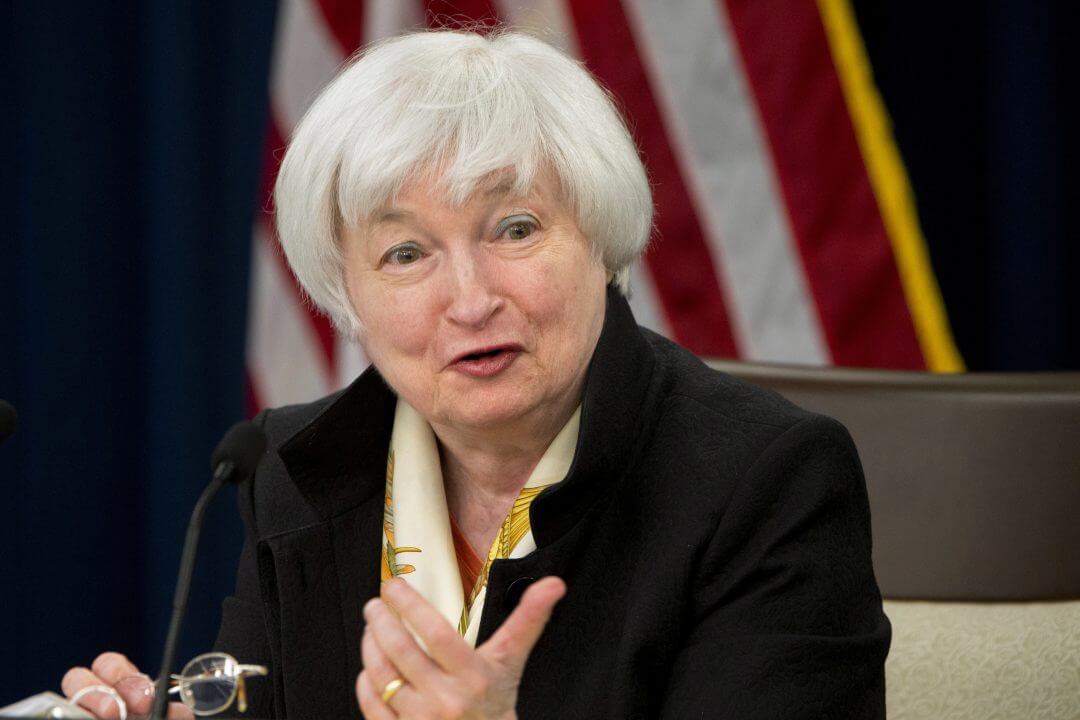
(452, 679)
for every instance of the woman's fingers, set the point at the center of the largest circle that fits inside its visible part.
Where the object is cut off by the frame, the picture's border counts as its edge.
(443, 642)
(379, 669)
(76, 679)
(379, 673)
(100, 705)
(116, 671)
(134, 687)
(113, 667)
(178, 711)
(456, 680)
(399, 647)
(370, 699)
(138, 693)
(513, 641)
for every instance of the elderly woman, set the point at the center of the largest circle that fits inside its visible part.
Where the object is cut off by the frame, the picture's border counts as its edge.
(529, 506)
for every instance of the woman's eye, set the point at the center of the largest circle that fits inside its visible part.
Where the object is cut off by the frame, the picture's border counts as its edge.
(519, 231)
(516, 228)
(402, 255)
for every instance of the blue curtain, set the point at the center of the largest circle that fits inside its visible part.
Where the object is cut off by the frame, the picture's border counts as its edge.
(130, 182)
(982, 101)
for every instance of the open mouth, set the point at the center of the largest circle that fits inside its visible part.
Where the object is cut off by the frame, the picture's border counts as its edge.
(483, 354)
(486, 362)
(487, 353)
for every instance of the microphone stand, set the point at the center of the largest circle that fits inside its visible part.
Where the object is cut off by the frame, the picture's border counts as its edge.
(222, 474)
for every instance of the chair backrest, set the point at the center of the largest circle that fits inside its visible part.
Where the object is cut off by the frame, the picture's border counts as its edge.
(974, 479)
(974, 484)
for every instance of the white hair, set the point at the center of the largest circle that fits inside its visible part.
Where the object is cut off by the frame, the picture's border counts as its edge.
(469, 105)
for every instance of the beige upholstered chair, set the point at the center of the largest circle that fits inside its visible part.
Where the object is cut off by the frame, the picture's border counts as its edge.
(974, 485)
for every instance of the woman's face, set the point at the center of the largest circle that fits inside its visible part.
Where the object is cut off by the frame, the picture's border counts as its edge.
(478, 315)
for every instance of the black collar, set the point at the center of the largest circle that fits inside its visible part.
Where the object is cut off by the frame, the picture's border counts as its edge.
(338, 460)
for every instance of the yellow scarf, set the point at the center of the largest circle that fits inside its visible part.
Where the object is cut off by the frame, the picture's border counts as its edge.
(417, 542)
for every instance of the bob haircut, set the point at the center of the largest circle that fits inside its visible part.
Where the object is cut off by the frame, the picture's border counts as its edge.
(468, 105)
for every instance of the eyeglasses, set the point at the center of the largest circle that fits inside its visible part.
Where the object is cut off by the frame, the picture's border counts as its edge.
(207, 685)
(212, 681)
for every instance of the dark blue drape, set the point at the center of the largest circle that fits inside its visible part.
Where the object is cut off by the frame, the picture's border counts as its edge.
(981, 98)
(131, 173)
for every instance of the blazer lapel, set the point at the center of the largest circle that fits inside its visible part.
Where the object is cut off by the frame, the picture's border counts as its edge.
(319, 577)
(357, 549)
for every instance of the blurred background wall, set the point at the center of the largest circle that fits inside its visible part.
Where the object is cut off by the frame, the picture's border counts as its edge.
(140, 141)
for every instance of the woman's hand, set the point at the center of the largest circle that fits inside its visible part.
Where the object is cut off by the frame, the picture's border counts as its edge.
(452, 679)
(116, 671)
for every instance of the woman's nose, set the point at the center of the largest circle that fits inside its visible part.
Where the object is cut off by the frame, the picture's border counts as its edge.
(473, 297)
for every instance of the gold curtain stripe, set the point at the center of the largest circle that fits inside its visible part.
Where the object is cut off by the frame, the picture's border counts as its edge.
(889, 180)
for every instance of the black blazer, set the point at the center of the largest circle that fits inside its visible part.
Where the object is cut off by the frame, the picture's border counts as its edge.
(715, 540)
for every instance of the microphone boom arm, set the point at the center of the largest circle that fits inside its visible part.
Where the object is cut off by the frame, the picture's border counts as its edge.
(187, 566)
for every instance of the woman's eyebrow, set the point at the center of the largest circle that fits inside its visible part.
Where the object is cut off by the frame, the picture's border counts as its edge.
(392, 216)
(500, 189)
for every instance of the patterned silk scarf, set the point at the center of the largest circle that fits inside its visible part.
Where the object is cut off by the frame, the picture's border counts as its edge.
(417, 542)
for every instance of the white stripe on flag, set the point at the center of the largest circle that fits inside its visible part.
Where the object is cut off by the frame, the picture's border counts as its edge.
(306, 58)
(351, 360)
(688, 48)
(384, 18)
(547, 19)
(645, 301)
(284, 359)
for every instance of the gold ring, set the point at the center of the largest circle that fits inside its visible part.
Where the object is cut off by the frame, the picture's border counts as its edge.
(391, 689)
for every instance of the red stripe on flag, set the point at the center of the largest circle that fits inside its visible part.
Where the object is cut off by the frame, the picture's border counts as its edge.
(273, 150)
(682, 267)
(345, 21)
(252, 404)
(460, 13)
(834, 214)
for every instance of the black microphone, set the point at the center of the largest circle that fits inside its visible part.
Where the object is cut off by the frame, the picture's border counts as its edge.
(234, 460)
(9, 420)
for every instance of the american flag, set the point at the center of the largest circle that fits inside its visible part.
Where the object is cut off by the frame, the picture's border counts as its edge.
(786, 229)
